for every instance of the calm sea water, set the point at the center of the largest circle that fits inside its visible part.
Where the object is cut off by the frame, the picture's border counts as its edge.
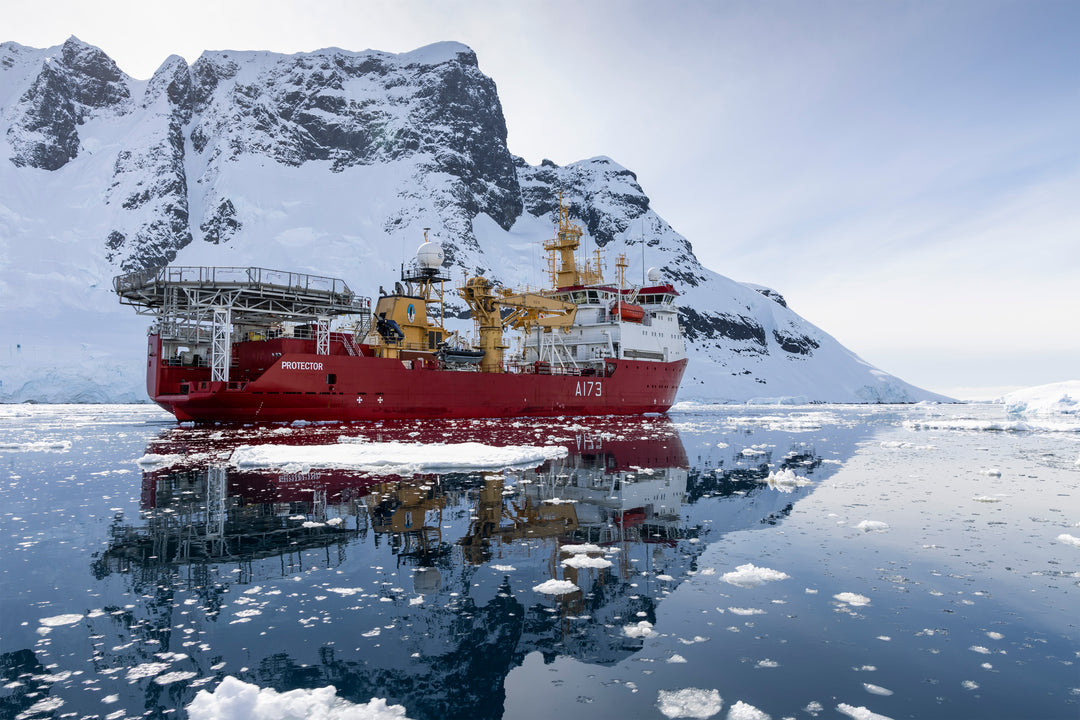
(796, 562)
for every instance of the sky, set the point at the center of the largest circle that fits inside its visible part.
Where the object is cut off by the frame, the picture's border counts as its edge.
(906, 174)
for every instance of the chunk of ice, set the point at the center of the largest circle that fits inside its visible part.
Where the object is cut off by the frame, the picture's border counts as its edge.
(750, 576)
(689, 703)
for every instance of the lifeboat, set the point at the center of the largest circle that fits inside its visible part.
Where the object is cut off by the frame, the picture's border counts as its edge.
(628, 311)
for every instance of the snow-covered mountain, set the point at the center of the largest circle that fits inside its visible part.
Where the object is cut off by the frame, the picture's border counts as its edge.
(331, 162)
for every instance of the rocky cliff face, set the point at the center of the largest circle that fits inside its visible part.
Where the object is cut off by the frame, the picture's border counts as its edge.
(76, 84)
(333, 162)
(149, 178)
(432, 107)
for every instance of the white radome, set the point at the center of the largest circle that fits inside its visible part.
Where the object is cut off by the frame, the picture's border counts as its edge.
(430, 256)
(654, 275)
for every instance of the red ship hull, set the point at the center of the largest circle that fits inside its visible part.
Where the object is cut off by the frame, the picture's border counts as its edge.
(296, 384)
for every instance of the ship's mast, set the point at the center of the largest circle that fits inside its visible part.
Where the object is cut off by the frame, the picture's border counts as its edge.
(562, 249)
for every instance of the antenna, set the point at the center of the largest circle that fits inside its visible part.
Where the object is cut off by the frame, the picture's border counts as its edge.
(642, 252)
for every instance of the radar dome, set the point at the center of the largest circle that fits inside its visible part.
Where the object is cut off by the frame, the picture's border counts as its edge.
(654, 275)
(429, 256)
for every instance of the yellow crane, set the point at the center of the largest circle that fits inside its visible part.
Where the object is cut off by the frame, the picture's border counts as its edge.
(527, 311)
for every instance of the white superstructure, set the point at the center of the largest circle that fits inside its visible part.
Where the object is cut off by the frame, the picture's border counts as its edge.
(634, 324)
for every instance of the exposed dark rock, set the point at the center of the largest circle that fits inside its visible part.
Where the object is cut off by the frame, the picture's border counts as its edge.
(45, 135)
(96, 81)
(592, 188)
(796, 344)
(207, 73)
(65, 92)
(700, 326)
(114, 242)
(771, 294)
(173, 81)
(222, 224)
(152, 177)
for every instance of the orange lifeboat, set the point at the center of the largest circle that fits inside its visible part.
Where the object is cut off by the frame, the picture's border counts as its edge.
(628, 311)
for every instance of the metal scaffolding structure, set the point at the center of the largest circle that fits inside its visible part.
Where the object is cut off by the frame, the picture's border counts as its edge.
(221, 347)
(203, 306)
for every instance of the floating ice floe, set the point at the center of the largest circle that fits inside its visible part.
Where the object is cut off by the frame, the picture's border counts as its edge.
(903, 445)
(642, 629)
(155, 460)
(60, 620)
(41, 707)
(860, 713)
(1069, 539)
(580, 549)
(746, 711)
(794, 422)
(750, 576)
(785, 480)
(689, 703)
(584, 561)
(394, 457)
(556, 587)
(37, 446)
(851, 598)
(968, 424)
(745, 611)
(146, 670)
(176, 676)
(235, 698)
(877, 689)
(872, 526)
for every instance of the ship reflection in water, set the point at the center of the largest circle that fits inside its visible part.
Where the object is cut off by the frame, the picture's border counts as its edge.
(423, 588)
